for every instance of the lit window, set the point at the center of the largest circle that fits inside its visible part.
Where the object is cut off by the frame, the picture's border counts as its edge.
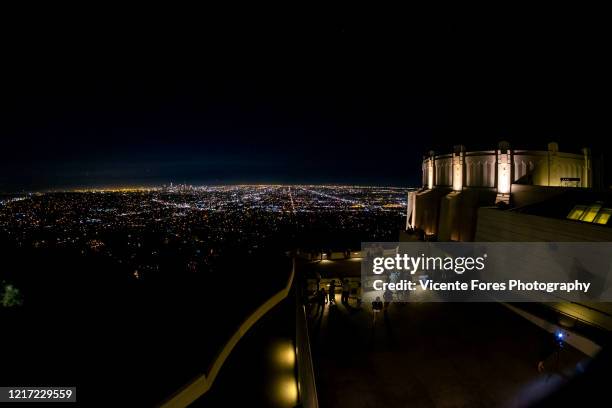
(576, 212)
(590, 213)
(603, 216)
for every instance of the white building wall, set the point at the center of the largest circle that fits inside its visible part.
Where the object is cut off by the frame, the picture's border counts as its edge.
(543, 168)
(480, 169)
(444, 171)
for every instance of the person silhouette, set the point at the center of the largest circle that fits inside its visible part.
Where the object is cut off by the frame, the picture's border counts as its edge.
(321, 301)
(377, 306)
(346, 291)
(332, 292)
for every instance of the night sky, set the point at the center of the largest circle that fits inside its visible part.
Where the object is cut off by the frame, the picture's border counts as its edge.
(338, 99)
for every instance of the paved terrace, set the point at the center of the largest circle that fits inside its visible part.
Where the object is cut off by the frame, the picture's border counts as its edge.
(429, 354)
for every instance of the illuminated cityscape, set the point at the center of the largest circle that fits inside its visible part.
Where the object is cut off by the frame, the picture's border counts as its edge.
(212, 213)
(134, 226)
(134, 244)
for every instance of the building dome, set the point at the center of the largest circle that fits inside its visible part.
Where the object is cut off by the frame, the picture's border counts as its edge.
(499, 169)
(456, 184)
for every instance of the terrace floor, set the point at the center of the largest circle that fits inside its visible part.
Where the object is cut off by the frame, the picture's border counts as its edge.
(430, 355)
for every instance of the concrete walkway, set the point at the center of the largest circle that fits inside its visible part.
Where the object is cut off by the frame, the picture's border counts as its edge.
(432, 355)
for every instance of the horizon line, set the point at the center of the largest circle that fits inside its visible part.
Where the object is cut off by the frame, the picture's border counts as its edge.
(140, 187)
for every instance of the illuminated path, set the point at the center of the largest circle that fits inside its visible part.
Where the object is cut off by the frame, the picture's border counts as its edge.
(344, 200)
(276, 339)
(291, 199)
(260, 369)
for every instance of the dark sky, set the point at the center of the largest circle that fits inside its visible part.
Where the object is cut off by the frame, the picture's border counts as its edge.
(337, 98)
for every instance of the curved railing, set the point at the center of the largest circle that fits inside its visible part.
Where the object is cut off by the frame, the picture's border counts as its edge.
(202, 384)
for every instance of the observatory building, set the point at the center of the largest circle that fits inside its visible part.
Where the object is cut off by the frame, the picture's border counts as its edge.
(459, 186)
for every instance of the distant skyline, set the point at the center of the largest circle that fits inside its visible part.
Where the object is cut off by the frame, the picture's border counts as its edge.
(196, 187)
(343, 101)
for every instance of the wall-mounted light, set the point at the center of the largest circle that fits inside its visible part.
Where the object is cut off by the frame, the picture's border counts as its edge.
(504, 171)
(458, 168)
(430, 173)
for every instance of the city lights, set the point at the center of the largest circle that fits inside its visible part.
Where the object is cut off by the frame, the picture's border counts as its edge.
(196, 225)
